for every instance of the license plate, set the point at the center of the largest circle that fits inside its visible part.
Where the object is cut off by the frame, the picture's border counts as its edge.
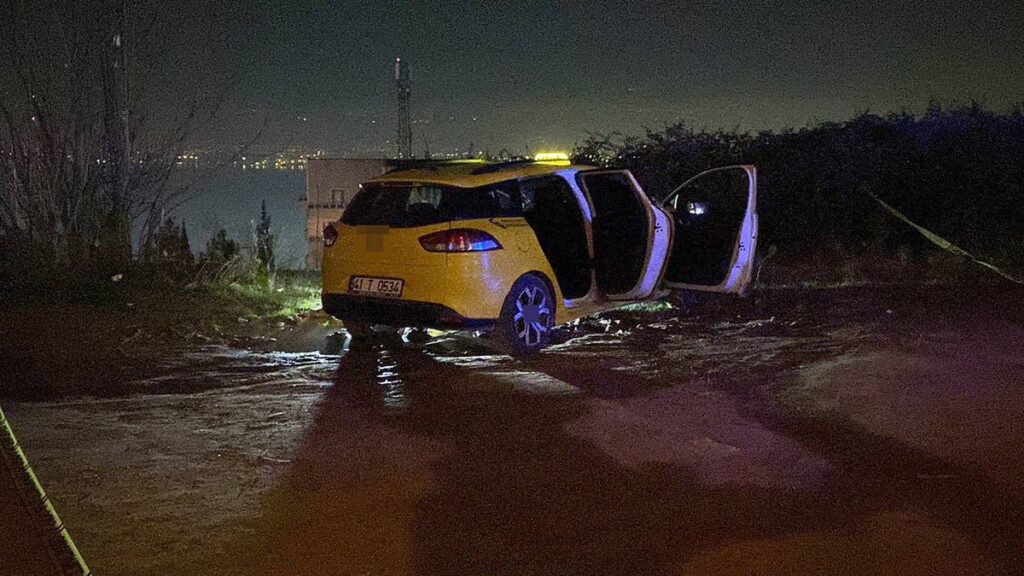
(381, 287)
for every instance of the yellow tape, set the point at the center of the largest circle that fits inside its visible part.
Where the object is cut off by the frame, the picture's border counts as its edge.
(57, 522)
(946, 244)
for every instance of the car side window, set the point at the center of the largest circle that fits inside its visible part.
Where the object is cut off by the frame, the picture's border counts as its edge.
(505, 200)
(548, 194)
(526, 195)
(611, 193)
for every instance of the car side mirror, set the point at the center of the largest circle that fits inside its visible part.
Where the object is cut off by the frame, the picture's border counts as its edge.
(696, 208)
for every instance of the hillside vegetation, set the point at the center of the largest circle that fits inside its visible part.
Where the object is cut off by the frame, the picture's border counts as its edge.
(958, 171)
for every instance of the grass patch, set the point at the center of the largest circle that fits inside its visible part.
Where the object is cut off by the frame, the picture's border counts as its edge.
(135, 316)
(287, 295)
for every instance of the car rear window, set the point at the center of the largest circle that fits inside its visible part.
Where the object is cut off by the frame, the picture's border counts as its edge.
(410, 205)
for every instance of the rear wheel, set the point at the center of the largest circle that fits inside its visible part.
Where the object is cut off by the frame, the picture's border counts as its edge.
(524, 325)
(365, 334)
(357, 329)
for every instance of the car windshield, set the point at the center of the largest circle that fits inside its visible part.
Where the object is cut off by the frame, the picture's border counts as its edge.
(409, 205)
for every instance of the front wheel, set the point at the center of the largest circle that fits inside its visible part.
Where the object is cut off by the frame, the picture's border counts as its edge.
(524, 325)
(688, 301)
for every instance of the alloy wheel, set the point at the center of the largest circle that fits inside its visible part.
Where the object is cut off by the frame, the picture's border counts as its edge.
(532, 317)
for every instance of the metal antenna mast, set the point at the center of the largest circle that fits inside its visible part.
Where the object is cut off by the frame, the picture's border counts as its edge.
(404, 125)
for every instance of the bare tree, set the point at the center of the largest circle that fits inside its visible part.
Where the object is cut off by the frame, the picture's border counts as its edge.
(87, 147)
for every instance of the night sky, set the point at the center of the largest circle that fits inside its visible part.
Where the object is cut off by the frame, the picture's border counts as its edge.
(531, 75)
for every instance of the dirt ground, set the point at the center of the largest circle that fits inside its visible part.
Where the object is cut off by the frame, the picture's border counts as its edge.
(859, 431)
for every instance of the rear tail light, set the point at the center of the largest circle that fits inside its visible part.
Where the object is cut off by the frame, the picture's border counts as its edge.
(459, 240)
(330, 235)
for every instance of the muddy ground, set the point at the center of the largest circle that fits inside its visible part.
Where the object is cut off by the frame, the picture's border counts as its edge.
(861, 431)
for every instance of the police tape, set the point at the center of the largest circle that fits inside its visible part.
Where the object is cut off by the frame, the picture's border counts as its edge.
(43, 498)
(946, 244)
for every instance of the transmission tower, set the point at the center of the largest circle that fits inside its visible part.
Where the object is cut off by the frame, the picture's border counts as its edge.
(404, 125)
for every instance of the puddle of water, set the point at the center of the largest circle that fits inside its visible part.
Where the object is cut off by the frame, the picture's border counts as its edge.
(217, 368)
(390, 381)
(534, 382)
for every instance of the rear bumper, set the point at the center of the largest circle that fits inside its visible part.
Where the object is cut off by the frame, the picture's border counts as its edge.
(398, 312)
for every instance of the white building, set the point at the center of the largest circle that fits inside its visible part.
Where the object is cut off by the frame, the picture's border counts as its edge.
(330, 185)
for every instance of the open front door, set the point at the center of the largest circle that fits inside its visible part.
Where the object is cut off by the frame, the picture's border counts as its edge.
(630, 236)
(715, 215)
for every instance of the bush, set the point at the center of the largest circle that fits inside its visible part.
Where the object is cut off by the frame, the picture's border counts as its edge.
(955, 171)
(219, 251)
(225, 261)
(167, 255)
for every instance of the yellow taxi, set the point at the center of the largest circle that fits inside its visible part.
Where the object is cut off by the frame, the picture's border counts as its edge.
(516, 248)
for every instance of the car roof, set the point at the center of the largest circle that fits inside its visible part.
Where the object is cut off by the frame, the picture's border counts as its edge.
(473, 174)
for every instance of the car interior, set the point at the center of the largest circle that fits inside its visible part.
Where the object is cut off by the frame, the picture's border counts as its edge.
(551, 209)
(469, 203)
(708, 215)
(620, 227)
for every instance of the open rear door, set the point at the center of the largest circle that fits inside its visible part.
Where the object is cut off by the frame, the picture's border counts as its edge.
(715, 215)
(630, 236)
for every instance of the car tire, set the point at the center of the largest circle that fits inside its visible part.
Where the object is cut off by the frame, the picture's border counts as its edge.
(359, 330)
(527, 316)
(365, 335)
(688, 301)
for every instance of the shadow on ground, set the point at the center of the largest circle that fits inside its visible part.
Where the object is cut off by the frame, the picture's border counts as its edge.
(477, 465)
